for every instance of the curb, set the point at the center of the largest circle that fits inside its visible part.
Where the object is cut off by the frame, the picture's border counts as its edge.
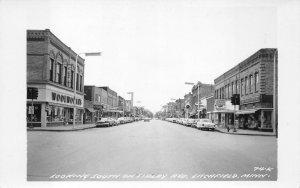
(62, 130)
(247, 134)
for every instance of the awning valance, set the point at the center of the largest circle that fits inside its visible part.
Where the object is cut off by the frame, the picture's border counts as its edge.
(91, 109)
(252, 111)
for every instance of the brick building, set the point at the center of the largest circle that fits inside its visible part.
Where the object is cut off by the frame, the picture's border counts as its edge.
(253, 80)
(204, 90)
(51, 69)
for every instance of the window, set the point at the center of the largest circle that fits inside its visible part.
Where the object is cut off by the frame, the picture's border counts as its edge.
(222, 93)
(232, 88)
(228, 88)
(51, 69)
(250, 83)
(72, 79)
(236, 87)
(58, 73)
(65, 75)
(242, 86)
(256, 81)
(80, 83)
(246, 85)
(77, 81)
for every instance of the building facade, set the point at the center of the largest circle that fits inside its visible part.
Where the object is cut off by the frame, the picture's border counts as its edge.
(51, 69)
(253, 80)
(204, 90)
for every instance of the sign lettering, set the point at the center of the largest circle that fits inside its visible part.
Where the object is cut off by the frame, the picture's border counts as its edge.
(65, 99)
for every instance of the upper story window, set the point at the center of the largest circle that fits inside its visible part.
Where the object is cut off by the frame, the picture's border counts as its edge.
(232, 88)
(80, 81)
(222, 93)
(256, 81)
(242, 87)
(237, 87)
(72, 79)
(58, 73)
(246, 85)
(77, 81)
(65, 76)
(51, 68)
(251, 83)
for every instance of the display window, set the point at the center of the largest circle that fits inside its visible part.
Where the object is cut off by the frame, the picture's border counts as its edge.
(33, 113)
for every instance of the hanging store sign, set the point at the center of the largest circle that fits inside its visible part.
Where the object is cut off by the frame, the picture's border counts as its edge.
(219, 104)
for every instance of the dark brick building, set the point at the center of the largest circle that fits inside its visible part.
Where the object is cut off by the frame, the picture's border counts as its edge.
(253, 80)
(51, 69)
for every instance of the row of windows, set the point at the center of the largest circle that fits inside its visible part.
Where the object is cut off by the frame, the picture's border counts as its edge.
(244, 86)
(62, 75)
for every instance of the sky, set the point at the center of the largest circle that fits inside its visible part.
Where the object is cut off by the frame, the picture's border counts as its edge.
(152, 47)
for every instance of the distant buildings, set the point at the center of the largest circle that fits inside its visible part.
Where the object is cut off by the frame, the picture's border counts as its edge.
(253, 81)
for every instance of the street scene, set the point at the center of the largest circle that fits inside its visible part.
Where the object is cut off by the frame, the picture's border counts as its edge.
(162, 92)
(156, 150)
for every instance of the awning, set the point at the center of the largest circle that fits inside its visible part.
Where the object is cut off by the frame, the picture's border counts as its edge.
(222, 111)
(91, 109)
(252, 111)
(118, 111)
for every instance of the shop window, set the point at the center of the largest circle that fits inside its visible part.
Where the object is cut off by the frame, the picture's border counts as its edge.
(55, 114)
(36, 116)
(51, 68)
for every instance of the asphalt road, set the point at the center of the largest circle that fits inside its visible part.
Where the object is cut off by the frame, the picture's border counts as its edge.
(155, 150)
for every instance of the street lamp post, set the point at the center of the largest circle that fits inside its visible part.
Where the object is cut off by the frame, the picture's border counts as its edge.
(75, 81)
(198, 92)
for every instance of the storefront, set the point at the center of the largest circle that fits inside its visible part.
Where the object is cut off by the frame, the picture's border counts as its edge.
(257, 119)
(89, 113)
(223, 114)
(54, 107)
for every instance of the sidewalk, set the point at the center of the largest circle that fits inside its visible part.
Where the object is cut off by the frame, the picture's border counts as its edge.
(244, 132)
(63, 128)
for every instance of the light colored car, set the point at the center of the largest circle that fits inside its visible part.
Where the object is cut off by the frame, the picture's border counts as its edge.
(105, 122)
(191, 122)
(185, 122)
(180, 120)
(205, 124)
(121, 120)
(146, 119)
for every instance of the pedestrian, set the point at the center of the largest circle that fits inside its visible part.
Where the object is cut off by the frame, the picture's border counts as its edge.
(228, 128)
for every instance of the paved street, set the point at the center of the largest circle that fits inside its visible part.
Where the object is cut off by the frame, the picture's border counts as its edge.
(155, 150)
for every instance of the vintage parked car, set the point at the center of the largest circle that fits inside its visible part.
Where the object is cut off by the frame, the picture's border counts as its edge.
(147, 119)
(205, 124)
(104, 122)
(192, 122)
(121, 120)
(185, 122)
